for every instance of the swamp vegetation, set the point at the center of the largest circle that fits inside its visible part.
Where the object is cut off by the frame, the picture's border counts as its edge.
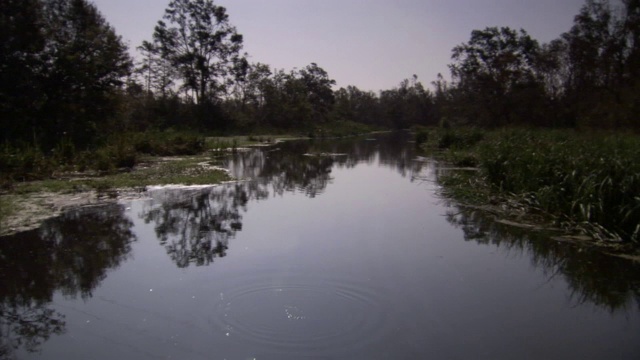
(587, 181)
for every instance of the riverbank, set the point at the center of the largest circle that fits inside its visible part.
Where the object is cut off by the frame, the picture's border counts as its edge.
(47, 190)
(28, 204)
(585, 184)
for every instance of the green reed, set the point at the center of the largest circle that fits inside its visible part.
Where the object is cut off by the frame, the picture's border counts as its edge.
(583, 177)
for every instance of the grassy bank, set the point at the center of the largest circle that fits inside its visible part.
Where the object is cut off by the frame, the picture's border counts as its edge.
(587, 180)
(191, 170)
(28, 162)
(118, 154)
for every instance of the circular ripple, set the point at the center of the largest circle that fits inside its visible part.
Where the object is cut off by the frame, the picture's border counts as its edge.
(293, 314)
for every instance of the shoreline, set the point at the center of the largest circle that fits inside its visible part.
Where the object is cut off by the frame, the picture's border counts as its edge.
(466, 190)
(29, 204)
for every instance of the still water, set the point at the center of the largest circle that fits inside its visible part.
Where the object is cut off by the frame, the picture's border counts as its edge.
(327, 250)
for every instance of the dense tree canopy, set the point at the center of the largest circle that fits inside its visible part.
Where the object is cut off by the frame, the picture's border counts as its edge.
(62, 65)
(601, 57)
(22, 41)
(492, 71)
(86, 64)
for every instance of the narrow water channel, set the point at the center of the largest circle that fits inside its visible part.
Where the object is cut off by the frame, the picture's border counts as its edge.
(326, 250)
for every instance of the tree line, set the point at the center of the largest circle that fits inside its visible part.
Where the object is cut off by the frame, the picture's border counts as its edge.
(588, 77)
(66, 77)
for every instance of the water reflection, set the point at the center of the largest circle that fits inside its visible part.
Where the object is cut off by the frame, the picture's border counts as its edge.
(70, 255)
(306, 166)
(289, 167)
(195, 225)
(592, 276)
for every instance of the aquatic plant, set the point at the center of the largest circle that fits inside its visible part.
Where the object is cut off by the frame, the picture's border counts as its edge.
(590, 179)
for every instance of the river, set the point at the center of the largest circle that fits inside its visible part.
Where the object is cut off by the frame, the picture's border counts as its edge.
(338, 249)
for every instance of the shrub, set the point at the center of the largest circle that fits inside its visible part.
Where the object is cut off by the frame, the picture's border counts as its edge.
(112, 157)
(24, 164)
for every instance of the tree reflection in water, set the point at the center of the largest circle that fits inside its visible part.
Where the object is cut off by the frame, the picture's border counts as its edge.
(592, 276)
(306, 165)
(70, 254)
(195, 225)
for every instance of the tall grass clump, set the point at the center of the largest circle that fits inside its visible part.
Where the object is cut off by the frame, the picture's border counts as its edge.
(586, 178)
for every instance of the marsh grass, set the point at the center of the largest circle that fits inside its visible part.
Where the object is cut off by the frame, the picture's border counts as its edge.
(587, 178)
(28, 162)
(27, 169)
(590, 180)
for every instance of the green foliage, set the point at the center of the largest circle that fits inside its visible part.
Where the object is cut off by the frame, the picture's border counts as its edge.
(24, 164)
(464, 158)
(586, 178)
(62, 65)
(283, 100)
(112, 157)
(166, 143)
(494, 71)
(121, 151)
(406, 105)
(459, 138)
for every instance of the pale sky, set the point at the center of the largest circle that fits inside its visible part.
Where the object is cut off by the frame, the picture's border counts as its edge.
(372, 44)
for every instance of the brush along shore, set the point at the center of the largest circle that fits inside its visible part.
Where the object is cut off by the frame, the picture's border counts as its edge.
(585, 183)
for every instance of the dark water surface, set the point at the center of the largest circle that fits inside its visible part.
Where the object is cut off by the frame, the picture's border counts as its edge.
(347, 256)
